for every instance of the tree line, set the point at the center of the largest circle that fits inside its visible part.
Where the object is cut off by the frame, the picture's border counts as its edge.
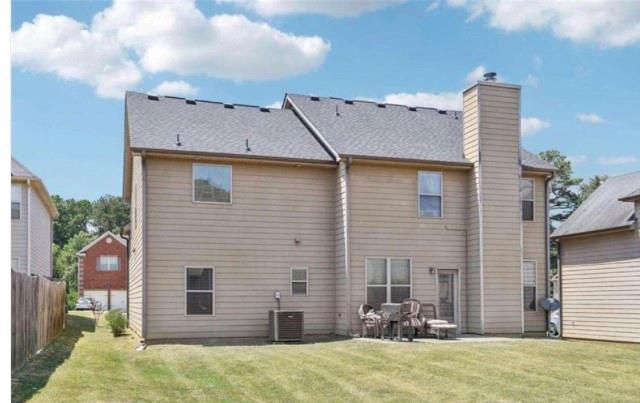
(79, 223)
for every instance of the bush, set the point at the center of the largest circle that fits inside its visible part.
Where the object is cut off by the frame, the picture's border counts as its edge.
(72, 298)
(117, 321)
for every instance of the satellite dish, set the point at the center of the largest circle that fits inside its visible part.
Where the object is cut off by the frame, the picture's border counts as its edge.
(549, 304)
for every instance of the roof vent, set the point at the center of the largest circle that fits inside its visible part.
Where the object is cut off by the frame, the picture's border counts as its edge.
(490, 76)
(348, 102)
(265, 110)
(412, 108)
(178, 142)
(315, 98)
(246, 145)
(337, 110)
(382, 106)
(229, 106)
(152, 98)
(442, 112)
(190, 101)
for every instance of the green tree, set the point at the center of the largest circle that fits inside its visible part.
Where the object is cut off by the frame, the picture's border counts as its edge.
(587, 188)
(564, 195)
(73, 219)
(109, 213)
(66, 263)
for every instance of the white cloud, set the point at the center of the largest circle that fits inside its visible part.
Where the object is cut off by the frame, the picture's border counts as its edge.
(443, 100)
(336, 9)
(222, 46)
(126, 39)
(275, 105)
(577, 159)
(531, 80)
(608, 23)
(434, 5)
(529, 126)
(537, 61)
(175, 88)
(591, 118)
(621, 160)
(63, 46)
(476, 74)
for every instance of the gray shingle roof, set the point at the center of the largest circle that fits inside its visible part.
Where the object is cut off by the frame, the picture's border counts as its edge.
(631, 196)
(394, 131)
(603, 210)
(17, 169)
(210, 127)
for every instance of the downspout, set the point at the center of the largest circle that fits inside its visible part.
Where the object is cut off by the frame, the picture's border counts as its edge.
(127, 276)
(29, 227)
(547, 242)
(347, 239)
(144, 247)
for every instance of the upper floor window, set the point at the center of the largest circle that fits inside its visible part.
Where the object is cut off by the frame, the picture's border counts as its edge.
(212, 183)
(108, 263)
(430, 193)
(16, 198)
(529, 285)
(527, 196)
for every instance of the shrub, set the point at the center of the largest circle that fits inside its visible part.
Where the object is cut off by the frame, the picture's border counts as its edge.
(117, 321)
(72, 298)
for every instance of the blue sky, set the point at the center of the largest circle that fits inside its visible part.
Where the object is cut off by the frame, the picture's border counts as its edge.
(581, 83)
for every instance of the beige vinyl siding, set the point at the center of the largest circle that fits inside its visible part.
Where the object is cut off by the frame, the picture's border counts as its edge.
(40, 222)
(385, 222)
(499, 127)
(249, 242)
(534, 249)
(471, 152)
(136, 247)
(341, 218)
(19, 243)
(601, 286)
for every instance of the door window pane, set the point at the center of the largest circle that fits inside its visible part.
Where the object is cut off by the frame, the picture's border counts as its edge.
(212, 183)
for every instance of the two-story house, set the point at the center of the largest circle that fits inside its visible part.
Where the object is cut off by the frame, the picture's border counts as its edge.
(102, 271)
(334, 203)
(32, 215)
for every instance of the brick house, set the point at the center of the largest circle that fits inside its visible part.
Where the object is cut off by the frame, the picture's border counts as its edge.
(102, 271)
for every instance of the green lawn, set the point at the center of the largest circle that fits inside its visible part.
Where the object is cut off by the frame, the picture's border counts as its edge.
(87, 365)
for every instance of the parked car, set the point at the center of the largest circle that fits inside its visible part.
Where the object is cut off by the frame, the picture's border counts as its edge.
(85, 304)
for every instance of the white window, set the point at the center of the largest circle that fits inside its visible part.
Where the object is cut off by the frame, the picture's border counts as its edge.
(108, 263)
(430, 193)
(527, 197)
(299, 281)
(199, 290)
(529, 285)
(388, 280)
(15, 264)
(212, 183)
(16, 199)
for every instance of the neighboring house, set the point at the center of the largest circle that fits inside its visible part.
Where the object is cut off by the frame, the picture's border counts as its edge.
(599, 265)
(334, 203)
(102, 271)
(32, 215)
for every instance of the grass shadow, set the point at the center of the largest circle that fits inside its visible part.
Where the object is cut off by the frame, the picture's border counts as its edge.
(245, 341)
(35, 374)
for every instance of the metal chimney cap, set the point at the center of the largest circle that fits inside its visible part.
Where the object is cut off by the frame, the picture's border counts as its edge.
(490, 76)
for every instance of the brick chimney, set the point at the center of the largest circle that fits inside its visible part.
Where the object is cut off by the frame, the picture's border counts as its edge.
(491, 138)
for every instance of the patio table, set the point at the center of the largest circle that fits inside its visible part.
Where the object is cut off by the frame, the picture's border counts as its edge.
(390, 312)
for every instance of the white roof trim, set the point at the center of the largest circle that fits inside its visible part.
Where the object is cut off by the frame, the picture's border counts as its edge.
(100, 238)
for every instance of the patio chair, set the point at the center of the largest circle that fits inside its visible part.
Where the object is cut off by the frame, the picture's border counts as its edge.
(369, 320)
(435, 326)
(411, 317)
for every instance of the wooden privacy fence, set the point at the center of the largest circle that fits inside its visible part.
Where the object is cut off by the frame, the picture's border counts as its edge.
(37, 315)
